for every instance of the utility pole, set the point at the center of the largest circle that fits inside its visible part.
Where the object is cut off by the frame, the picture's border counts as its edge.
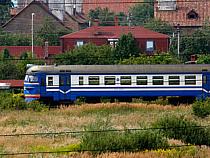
(32, 34)
(178, 31)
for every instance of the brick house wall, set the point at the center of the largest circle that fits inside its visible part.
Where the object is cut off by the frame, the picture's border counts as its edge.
(113, 5)
(181, 13)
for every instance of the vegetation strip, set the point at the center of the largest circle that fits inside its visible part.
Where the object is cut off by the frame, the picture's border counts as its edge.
(51, 152)
(98, 131)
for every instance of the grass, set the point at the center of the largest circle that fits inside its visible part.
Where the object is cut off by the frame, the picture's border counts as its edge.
(75, 118)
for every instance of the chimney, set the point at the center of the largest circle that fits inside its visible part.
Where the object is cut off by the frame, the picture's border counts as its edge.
(74, 10)
(95, 25)
(116, 21)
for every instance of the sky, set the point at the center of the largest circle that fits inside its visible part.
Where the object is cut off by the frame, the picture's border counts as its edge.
(15, 3)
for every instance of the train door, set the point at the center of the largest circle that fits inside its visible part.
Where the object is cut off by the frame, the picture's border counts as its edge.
(65, 87)
(42, 84)
(206, 85)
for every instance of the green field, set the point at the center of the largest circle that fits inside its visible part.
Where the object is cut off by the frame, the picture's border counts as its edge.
(49, 125)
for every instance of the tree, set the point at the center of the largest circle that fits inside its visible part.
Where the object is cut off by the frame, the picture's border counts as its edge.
(5, 7)
(105, 17)
(159, 26)
(10, 39)
(158, 58)
(87, 54)
(49, 32)
(195, 43)
(142, 12)
(126, 47)
(5, 54)
(25, 58)
(8, 69)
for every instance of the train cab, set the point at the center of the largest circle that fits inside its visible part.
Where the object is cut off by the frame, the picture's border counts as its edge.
(31, 88)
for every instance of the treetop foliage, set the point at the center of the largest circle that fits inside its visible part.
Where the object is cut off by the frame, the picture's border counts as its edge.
(125, 47)
(160, 26)
(5, 6)
(142, 13)
(106, 18)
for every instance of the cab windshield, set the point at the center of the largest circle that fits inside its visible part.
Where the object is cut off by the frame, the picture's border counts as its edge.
(31, 78)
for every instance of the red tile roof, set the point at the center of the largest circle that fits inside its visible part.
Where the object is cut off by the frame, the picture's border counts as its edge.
(14, 83)
(115, 32)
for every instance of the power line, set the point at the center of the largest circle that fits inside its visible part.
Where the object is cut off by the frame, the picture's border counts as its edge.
(98, 131)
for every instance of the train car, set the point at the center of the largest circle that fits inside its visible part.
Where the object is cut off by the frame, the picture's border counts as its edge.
(68, 82)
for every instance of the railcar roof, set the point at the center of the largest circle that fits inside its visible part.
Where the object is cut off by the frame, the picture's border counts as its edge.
(74, 69)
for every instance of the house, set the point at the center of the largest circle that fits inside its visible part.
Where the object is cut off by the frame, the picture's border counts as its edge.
(99, 35)
(189, 14)
(22, 21)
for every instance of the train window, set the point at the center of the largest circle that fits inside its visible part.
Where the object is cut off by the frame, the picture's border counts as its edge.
(204, 80)
(61, 81)
(93, 80)
(81, 80)
(190, 80)
(67, 80)
(50, 81)
(33, 78)
(125, 80)
(157, 80)
(109, 80)
(42, 81)
(174, 80)
(141, 80)
(26, 78)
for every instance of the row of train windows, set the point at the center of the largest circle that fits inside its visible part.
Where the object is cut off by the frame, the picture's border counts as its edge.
(140, 80)
(63, 81)
(124, 80)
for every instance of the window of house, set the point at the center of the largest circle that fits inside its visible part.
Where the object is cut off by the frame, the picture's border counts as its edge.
(80, 43)
(190, 80)
(167, 4)
(93, 80)
(141, 80)
(109, 80)
(157, 80)
(113, 42)
(192, 15)
(149, 46)
(125, 80)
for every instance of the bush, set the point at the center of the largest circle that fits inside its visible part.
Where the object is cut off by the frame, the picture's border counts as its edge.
(201, 108)
(80, 101)
(12, 101)
(178, 127)
(36, 106)
(105, 100)
(106, 139)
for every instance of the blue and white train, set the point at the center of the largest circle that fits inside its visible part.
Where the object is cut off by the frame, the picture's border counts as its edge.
(68, 82)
